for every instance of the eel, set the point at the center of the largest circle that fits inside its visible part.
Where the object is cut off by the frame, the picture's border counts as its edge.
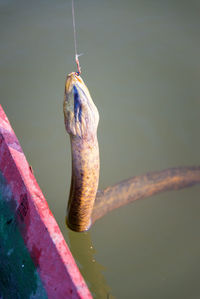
(86, 204)
(81, 119)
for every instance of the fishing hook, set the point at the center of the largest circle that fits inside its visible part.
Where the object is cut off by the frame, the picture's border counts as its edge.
(78, 65)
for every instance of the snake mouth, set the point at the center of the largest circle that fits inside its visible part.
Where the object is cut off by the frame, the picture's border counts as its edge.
(72, 80)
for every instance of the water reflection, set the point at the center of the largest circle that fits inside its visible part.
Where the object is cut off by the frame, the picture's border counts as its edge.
(91, 270)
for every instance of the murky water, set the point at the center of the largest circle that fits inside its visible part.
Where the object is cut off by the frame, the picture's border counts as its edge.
(142, 65)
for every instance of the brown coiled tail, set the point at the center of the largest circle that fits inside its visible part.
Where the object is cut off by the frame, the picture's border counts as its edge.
(81, 121)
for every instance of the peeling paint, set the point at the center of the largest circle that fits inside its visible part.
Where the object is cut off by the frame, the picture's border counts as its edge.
(31, 243)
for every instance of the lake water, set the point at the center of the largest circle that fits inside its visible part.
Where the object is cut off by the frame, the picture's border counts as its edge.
(141, 63)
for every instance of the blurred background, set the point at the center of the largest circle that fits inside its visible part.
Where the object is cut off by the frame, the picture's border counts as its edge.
(141, 64)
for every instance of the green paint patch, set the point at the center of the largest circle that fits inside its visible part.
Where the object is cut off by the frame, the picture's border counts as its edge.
(18, 275)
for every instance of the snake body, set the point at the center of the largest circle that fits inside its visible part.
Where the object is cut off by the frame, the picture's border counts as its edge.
(81, 119)
(81, 122)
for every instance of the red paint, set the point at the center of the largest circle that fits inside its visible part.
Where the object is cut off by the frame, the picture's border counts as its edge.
(35, 255)
(56, 266)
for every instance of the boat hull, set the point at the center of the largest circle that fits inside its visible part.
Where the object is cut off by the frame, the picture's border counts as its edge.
(35, 259)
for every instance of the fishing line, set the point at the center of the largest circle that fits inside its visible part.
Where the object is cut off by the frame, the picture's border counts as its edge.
(75, 41)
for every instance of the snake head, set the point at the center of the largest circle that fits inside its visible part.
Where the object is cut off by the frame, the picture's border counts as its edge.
(80, 113)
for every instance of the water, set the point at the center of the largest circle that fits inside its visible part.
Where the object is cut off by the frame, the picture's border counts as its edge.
(142, 65)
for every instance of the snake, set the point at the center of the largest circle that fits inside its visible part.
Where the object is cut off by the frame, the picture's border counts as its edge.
(86, 203)
(81, 120)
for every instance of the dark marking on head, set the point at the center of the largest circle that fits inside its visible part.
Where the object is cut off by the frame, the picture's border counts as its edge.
(77, 105)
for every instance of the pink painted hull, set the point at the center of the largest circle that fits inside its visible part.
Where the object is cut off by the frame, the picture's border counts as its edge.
(48, 250)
